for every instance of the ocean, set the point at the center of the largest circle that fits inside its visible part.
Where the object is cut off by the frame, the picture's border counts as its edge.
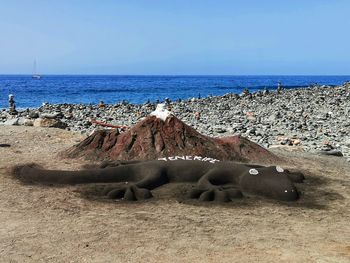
(89, 89)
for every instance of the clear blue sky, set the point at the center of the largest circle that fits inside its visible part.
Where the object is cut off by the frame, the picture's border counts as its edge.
(175, 37)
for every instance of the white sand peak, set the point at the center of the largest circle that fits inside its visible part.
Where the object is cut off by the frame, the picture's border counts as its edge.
(161, 112)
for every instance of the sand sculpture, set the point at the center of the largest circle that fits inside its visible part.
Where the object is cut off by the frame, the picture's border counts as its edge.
(215, 180)
(161, 135)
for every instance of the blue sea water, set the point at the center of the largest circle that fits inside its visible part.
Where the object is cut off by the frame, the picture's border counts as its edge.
(85, 89)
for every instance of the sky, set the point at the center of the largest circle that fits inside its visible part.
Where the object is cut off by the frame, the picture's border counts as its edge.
(198, 37)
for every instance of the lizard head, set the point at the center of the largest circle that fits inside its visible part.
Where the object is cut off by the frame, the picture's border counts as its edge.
(272, 181)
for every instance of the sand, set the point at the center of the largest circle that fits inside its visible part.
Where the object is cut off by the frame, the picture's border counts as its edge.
(68, 224)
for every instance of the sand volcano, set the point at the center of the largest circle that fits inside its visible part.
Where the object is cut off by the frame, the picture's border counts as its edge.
(163, 135)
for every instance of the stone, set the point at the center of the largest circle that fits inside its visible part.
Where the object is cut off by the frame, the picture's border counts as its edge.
(332, 153)
(220, 130)
(28, 122)
(21, 120)
(55, 115)
(347, 143)
(33, 115)
(50, 123)
(13, 121)
(296, 142)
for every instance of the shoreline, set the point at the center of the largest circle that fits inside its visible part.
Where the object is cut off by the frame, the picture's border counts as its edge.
(252, 90)
(304, 119)
(140, 89)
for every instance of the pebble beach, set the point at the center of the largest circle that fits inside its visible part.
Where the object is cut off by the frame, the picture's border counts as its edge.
(313, 119)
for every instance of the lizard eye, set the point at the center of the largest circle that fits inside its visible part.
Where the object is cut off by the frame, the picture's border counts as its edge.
(279, 169)
(253, 172)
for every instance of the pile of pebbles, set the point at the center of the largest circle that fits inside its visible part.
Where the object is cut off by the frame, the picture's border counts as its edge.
(315, 119)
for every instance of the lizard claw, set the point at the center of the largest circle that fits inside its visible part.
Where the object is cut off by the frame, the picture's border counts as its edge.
(215, 194)
(129, 193)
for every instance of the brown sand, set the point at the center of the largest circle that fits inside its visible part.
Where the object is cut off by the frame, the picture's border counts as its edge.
(58, 224)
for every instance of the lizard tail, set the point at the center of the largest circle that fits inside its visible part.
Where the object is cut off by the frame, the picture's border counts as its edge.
(32, 173)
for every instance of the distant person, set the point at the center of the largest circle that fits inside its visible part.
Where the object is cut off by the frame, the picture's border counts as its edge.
(12, 105)
(279, 87)
(101, 104)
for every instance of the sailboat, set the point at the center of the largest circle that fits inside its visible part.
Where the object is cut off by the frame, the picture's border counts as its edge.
(35, 74)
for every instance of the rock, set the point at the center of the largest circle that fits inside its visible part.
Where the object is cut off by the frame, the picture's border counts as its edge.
(56, 115)
(327, 147)
(53, 123)
(33, 115)
(28, 122)
(21, 120)
(296, 141)
(11, 121)
(68, 115)
(332, 153)
(220, 130)
(347, 143)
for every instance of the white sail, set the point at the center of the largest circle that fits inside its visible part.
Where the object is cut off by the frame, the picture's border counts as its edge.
(35, 74)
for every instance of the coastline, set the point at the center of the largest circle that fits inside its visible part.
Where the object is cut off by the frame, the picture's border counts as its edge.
(306, 119)
(136, 89)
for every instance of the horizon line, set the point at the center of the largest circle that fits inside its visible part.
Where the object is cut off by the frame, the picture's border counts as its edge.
(170, 75)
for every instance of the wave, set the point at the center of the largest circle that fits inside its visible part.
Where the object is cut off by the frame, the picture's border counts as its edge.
(269, 87)
(107, 90)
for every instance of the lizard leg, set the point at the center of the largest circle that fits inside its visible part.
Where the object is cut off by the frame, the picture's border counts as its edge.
(152, 178)
(215, 186)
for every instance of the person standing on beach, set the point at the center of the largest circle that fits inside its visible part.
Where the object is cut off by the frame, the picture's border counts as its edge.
(279, 87)
(12, 105)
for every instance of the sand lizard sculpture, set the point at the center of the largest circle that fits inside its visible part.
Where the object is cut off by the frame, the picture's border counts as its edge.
(215, 180)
